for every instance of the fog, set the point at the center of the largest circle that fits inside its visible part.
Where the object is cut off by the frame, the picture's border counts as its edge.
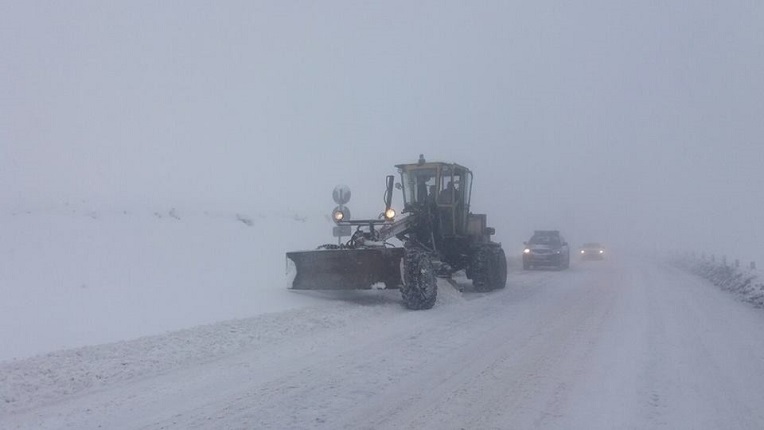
(632, 123)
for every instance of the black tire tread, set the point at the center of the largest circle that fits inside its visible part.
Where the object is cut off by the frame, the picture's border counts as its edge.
(420, 288)
(489, 268)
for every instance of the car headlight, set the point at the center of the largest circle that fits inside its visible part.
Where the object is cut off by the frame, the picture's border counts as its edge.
(583, 251)
(602, 251)
(526, 251)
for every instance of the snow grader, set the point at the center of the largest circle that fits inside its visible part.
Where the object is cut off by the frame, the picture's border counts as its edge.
(440, 237)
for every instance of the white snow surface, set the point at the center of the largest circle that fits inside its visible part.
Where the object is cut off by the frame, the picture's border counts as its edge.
(130, 320)
(73, 275)
(742, 281)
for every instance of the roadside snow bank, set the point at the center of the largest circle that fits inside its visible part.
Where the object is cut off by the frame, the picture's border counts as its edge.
(744, 283)
(51, 377)
(76, 276)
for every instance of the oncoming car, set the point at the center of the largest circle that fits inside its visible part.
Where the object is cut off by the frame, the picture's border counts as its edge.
(592, 251)
(546, 248)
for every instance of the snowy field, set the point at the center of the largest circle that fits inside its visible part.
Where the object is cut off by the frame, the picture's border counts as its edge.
(72, 275)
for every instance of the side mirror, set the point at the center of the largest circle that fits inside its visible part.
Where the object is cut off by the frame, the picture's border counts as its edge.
(490, 231)
(398, 186)
(525, 243)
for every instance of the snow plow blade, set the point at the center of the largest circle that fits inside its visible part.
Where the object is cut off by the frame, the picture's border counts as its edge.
(345, 269)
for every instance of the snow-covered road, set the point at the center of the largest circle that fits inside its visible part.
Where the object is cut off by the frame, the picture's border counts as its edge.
(604, 345)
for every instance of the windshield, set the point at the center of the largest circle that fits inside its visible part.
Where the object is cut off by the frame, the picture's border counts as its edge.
(419, 185)
(543, 239)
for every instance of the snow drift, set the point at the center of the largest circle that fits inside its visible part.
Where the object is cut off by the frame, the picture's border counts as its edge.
(745, 283)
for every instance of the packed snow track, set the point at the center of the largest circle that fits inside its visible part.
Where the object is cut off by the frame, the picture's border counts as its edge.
(604, 345)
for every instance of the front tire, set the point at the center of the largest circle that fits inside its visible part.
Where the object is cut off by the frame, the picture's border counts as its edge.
(489, 268)
(420, 288)
(501, 269)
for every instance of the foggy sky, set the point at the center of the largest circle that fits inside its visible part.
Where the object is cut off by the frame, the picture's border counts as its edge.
(608, 120)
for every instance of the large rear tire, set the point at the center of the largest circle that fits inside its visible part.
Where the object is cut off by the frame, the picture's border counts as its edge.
(501, 269)
(489, 268)
(420, 288)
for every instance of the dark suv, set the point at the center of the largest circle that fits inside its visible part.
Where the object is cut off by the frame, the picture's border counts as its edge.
(546, 248)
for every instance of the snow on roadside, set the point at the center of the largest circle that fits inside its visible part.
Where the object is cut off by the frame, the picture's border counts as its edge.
(76, 276)
(744, 283)
(48, 378)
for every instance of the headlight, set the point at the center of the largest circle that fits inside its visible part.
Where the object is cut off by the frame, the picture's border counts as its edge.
(389, 214)
(602, 251)
(526, 251)
(340, 213)
(583, 251)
